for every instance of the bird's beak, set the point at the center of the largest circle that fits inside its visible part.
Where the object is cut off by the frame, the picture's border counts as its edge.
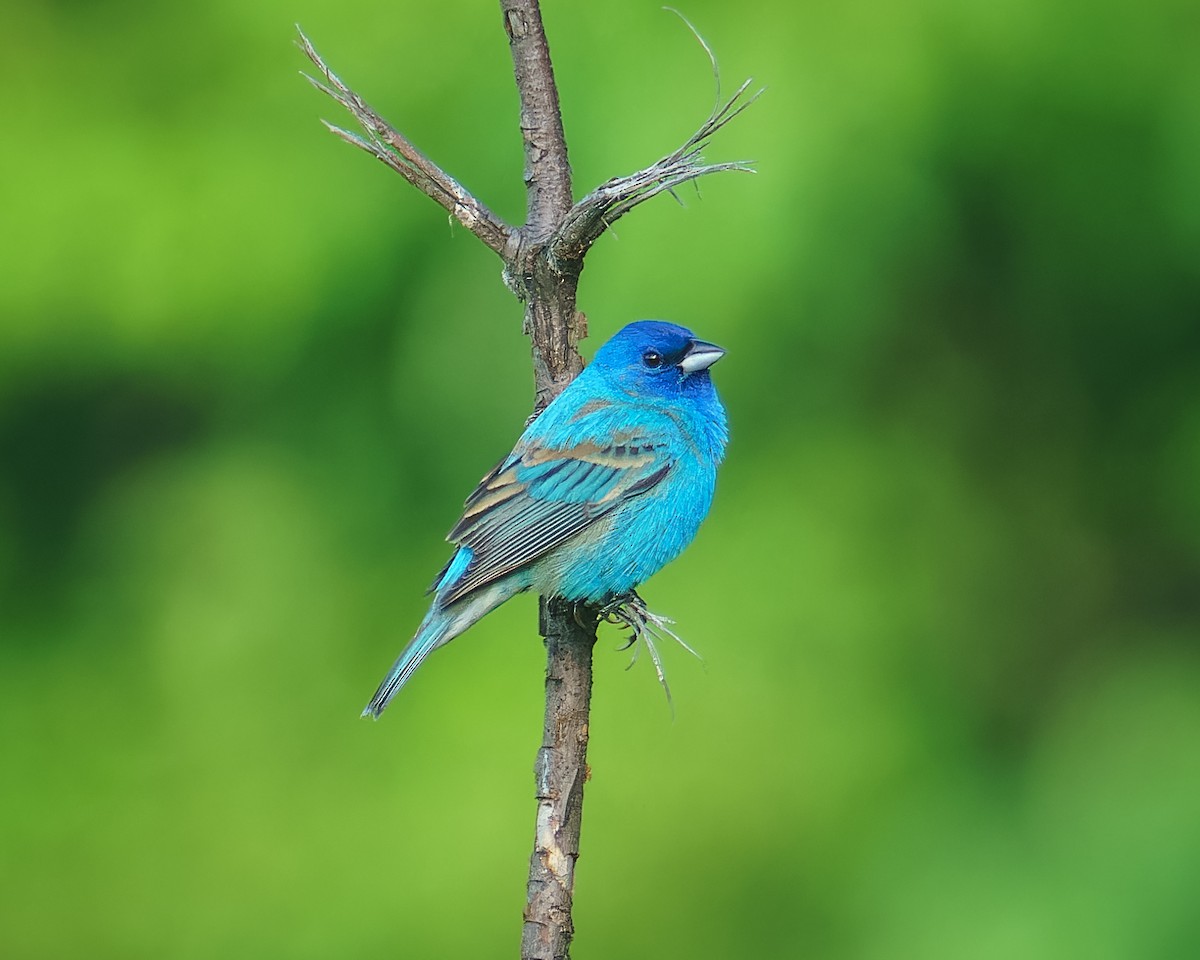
(700, 355)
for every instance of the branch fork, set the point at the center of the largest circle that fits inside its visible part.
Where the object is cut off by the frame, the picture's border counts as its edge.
(564, 237)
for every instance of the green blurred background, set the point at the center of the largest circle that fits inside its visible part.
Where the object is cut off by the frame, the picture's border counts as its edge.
(948, 597)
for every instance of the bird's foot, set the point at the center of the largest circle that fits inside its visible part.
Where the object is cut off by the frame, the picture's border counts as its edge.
(630, 610)
(584, 614)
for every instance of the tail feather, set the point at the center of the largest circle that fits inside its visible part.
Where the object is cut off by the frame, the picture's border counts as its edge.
(440, 626)
(433, 628)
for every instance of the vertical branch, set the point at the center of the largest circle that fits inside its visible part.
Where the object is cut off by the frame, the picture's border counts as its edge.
(547, 173)
(548, 288)
(560, 773)
(554, 325)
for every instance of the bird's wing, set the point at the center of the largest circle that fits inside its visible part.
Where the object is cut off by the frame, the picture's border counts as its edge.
(538, 497)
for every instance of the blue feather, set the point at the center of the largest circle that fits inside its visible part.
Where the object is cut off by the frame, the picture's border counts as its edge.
(605, 487)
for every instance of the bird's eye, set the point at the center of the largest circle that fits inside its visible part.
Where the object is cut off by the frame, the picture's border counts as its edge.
(652, 358)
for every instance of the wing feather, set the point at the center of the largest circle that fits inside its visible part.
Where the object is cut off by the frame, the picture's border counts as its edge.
(540, 497)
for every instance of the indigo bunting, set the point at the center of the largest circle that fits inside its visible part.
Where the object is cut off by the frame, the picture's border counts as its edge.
(603, 489)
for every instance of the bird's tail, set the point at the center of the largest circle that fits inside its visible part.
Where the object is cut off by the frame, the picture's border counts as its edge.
(440, 626)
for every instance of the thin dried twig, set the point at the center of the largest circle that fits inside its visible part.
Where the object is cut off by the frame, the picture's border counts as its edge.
(388, 145)
(610, 201)
(708, 50)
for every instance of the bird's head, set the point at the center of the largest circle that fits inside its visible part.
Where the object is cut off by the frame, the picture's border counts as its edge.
(658, 357)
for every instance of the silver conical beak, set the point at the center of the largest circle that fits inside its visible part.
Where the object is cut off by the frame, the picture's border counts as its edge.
(700, 356)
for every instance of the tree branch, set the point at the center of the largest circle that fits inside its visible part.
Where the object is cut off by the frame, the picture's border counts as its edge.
(542, 263)
(560, 773)
(388, 145)
(547, 172)
(592, 215)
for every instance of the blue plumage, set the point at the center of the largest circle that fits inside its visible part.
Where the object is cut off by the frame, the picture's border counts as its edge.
(605, 487)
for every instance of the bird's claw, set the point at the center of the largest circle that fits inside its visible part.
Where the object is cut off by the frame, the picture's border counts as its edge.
(576, 612)
(630, 610)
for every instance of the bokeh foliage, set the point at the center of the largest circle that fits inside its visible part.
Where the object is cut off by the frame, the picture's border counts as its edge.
(949, 596)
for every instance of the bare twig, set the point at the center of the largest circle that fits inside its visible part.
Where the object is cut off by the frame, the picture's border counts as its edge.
(712, 57)
(387, 144)
(596, 212)
(547, 172)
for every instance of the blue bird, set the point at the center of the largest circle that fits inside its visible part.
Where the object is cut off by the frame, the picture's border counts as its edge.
(603, 489)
